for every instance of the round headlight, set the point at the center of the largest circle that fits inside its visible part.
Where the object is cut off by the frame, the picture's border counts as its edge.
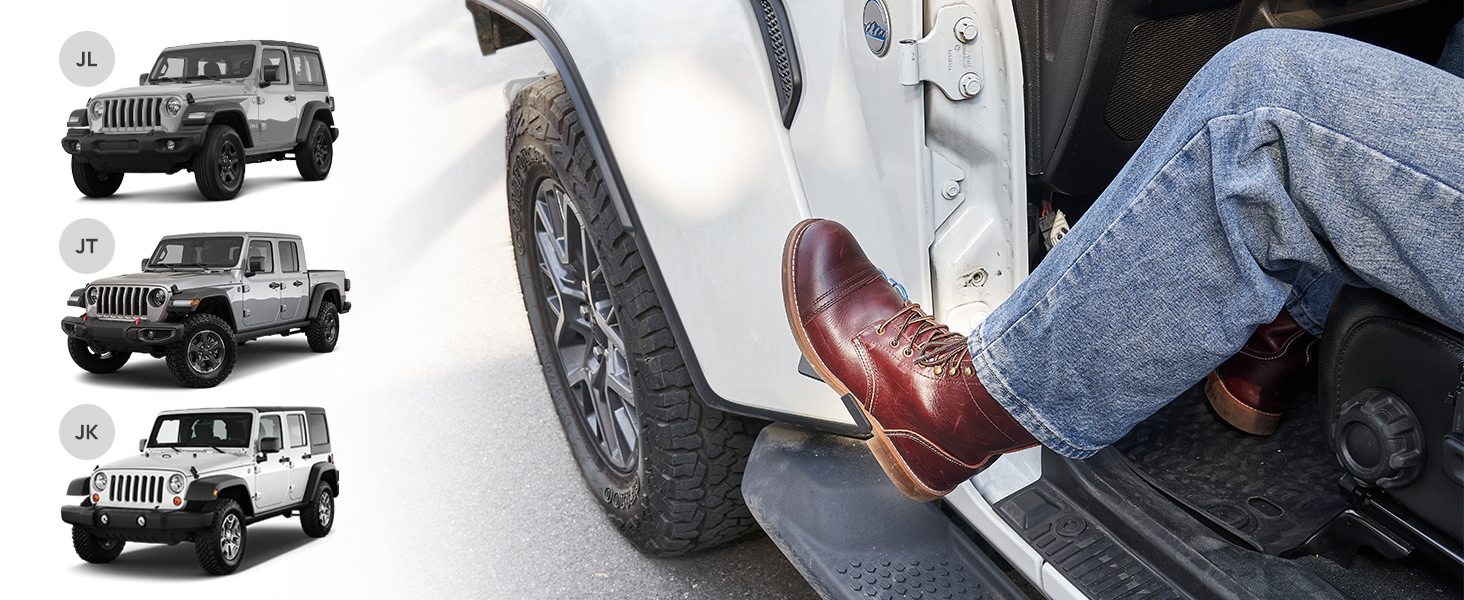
(174, 106)
(175, 483)
(99, 481)
(92, 294)
(98, 109)
(157, 297)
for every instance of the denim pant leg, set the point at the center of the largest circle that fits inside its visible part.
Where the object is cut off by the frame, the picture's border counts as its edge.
(1290, 156)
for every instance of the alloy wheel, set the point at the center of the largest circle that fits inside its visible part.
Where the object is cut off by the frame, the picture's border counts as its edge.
(324, 505)
(205, 352)
(321, 156)
(587, 332)
(229, 537)
(229, 164)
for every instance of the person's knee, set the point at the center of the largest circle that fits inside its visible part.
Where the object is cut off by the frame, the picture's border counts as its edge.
(1271, 65)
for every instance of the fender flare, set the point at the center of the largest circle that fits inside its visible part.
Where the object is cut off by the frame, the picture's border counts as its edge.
(80, 486)
(81, 295)
(317, 296)
(542, 31)
(201, 295)
(307, 116)
(325, 471)
(215, 108)
(207, 489)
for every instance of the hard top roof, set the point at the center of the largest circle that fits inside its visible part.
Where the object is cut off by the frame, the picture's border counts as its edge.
(262, 409)
(237, 42)
(226, 233)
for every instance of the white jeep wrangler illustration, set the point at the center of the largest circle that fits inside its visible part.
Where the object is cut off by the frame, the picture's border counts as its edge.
(199, 297)
(205, 475)
(210, 109)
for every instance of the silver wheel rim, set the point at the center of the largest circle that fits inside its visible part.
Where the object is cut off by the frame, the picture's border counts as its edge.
(205, 352)
(587, 332)
(230, 536)
(323, 508)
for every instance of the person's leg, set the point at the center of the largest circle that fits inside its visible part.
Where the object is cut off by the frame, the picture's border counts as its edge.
(1452, 60)
(1291, 155)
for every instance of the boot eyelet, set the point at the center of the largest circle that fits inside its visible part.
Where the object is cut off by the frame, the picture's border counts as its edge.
(895, 343)
(968, 371)
(939, 370)
(909, 352)
(879, 330)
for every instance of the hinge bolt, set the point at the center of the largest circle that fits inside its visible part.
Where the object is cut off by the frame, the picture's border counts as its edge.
(966, 30)
(950, 189)
(970, 85)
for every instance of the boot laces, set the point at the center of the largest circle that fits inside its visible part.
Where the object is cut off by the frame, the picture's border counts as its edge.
(942, 347)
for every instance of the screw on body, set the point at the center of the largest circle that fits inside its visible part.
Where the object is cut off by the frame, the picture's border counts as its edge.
(966, 30)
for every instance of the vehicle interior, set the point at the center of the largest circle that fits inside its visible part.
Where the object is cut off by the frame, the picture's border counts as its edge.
(1345, 496)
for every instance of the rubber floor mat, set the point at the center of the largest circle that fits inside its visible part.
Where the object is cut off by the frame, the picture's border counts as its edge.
(1278, 489)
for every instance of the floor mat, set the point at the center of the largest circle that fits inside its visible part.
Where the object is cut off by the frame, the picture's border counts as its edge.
(1278, 489)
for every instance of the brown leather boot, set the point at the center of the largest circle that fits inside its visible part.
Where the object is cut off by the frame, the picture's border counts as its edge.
(934, 424)
(1249, 390)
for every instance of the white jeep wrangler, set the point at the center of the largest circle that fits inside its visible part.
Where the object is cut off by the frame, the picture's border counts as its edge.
(203, 476)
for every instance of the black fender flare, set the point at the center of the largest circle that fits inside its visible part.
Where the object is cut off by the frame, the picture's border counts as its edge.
(80, 486)
(317, 296)
(207, 489)
(221, 108)
(200, 295)
(323, 471)
(307, 116)
(80, 298)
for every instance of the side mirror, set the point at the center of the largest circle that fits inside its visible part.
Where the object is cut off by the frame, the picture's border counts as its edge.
(145, 262)
(142, 79)
(142, 445)
(271, 74)
(256, 264)
(269, 445)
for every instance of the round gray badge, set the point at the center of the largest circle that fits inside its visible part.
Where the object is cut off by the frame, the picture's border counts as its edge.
(876, 27)
(87, 246)
(87, 432)
(87, 59)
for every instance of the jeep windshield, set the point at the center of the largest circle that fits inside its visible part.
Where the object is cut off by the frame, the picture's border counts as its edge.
(202, 430)
(197, 253)
(218, 62)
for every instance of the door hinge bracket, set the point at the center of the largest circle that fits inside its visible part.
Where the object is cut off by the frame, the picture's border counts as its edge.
(948, 57)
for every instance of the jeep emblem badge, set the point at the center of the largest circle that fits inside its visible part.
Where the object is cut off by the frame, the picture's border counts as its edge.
(876, 27)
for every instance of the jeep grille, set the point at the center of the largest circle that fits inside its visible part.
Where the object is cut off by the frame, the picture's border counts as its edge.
(122, 301)
(135, 489)
(132, 115)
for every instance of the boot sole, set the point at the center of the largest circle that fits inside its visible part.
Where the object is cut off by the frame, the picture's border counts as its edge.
(1235, 412)
(880, 445)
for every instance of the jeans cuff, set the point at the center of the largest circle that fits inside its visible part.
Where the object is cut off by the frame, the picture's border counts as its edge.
(1020, 410)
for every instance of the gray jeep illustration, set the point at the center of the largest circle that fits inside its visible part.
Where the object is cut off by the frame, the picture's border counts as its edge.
(205, 475)
(210, 109)
(198, 297)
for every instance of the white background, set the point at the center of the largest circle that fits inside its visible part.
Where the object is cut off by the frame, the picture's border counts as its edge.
(454, 473)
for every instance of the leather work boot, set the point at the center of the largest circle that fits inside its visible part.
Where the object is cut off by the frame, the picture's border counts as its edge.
(1249, 390)
(934, 424)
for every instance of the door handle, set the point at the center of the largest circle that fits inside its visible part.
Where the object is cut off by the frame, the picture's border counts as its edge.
(276, 285)
(298, 284)
(285, 460)
(306, 457)
(290, 98)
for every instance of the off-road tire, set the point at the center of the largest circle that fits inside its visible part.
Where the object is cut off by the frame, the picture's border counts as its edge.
(206, 543)
(325, 329)
(221, 143)
(314, 156)
(178, 352)
(322, 502)
(101, 364)
(93, 550)
(91, 182)
(684, 494)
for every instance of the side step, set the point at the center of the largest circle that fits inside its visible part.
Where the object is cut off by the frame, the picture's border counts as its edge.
(827, 505)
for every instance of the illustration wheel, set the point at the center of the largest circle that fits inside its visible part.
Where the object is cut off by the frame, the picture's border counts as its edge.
(91, 182)
(666, 467)
(219, 167)
(204, 355)
(220, 548)
(318, 518)
(325, 329)
(93, 549)
(314, 155)
(95, 360)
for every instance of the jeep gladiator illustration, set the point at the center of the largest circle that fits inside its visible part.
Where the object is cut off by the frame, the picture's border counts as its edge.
(203, 476)
(199, 297)
(210, 109)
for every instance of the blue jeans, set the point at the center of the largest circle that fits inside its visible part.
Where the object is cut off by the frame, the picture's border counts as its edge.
(1293, 163)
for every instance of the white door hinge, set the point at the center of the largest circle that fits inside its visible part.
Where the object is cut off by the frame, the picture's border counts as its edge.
(948, 57)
